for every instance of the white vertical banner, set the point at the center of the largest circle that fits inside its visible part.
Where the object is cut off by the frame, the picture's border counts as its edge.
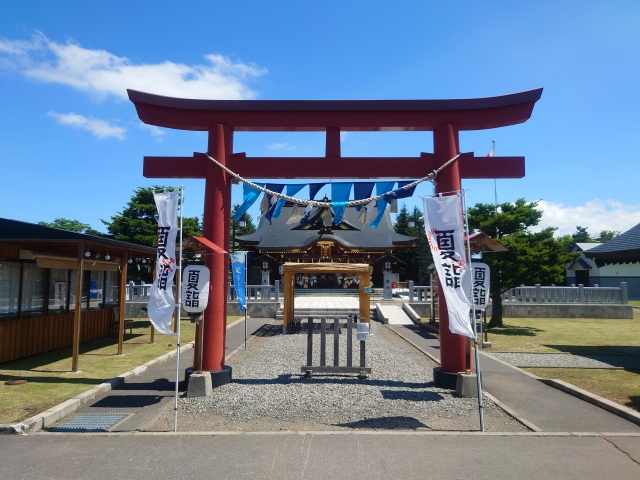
(445, 233)
(480, 284)
(195, 288)
(161, 300)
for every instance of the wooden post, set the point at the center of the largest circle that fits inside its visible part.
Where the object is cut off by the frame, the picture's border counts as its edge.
(323, 341)
(309, 341)
(349, 340)
(77, 317)
(122, 300)
(364, 297)
(289, 293)
(336, 342)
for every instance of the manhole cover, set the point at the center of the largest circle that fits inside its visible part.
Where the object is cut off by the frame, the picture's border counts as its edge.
(89, 422)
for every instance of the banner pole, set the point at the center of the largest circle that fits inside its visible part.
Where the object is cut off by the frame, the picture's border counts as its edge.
(473, 319)
(179, 287)
(245, 299)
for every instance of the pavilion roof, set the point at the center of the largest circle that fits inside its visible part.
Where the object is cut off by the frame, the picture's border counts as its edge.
(64, 242)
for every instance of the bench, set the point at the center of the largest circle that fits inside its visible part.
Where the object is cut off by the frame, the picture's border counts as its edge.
(128, 323)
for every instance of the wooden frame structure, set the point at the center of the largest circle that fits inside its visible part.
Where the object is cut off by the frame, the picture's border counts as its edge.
(289, 270)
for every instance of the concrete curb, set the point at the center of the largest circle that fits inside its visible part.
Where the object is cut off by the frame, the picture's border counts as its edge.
(52, 415)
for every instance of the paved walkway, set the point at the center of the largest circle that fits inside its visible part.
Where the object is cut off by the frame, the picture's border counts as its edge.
(540, 406)
(571, 439)
(326, 302)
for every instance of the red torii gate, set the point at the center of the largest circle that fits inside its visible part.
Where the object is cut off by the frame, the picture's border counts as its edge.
(221, 118)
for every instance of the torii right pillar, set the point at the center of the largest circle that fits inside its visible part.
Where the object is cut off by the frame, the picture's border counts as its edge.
(453, 351)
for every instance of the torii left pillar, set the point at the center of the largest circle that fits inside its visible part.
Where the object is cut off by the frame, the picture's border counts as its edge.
(215, 225)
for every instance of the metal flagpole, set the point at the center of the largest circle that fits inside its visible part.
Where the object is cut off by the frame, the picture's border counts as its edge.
(179, 287)
(246, 303)
(492, 153)
(473, 323)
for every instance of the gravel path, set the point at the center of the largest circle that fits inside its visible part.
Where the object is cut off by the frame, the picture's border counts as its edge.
(269, 393)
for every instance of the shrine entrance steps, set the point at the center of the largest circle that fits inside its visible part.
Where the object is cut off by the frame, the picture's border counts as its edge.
(392, 314)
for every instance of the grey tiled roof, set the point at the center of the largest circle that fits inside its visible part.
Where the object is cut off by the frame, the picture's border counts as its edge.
(351, 233)
(16, 230)
(625, 248)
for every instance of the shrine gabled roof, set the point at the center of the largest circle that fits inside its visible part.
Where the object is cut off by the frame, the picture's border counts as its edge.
(625, 248)
(351, 234)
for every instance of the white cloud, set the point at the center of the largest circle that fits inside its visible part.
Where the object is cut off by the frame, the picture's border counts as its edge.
(153, 130)
(595, 215)
(104, 74)
(281, 146)
(98, 128)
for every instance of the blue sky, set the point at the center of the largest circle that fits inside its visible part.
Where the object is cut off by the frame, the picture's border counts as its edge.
(72, 145)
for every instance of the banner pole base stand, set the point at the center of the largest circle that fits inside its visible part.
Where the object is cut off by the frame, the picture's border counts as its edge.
(218, 377)
(445, 379)
(467, 385)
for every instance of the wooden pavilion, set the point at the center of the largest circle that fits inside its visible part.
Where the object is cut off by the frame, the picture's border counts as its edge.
(59, 288)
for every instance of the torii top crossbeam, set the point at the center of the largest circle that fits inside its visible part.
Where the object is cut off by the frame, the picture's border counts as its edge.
(348, 115)
(221, 118)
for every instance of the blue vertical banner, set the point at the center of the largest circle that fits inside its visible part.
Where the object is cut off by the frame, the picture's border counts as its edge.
(238, 271)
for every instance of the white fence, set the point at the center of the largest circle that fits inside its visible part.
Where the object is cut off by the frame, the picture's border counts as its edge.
(572, 294)
(140, 293)
(422, 293)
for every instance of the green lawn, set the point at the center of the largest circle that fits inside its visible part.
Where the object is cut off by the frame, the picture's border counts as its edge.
(578, 336)
(50, 381)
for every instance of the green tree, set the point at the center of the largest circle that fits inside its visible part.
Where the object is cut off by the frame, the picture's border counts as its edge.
(413, 263)
(248, 228)
(138, 222)
(606, 235)
(67, 224)
(532, 257)
(581, 235)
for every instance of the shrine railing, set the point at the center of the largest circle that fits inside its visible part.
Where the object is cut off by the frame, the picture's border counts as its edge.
(141, 292)
(418, 293)
(259, 293)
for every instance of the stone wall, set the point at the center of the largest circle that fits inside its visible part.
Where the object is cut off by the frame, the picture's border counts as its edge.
(547, 310)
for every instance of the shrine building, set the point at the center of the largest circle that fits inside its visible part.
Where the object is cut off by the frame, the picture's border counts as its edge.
(279, 240)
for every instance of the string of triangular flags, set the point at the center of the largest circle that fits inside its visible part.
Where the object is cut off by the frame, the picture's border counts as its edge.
(273, 199)
(271, 205)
